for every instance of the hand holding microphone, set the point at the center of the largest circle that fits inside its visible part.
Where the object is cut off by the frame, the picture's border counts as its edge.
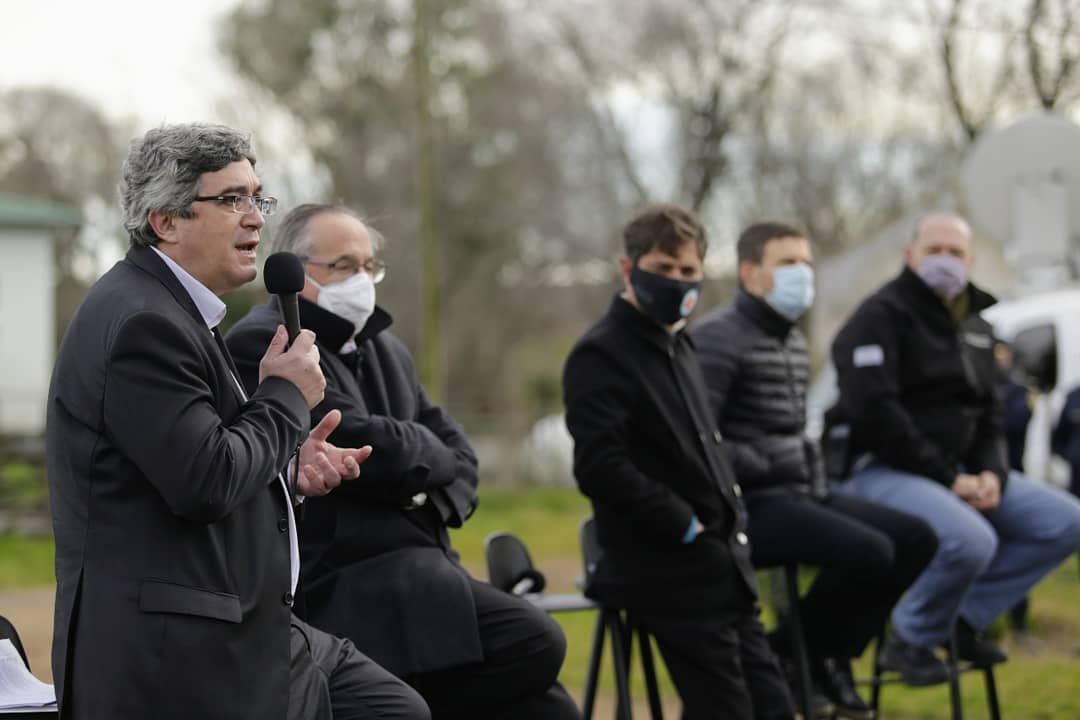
(283, 274)
(292, 354)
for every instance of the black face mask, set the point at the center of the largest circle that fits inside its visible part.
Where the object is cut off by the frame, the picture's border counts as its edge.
(663, 299)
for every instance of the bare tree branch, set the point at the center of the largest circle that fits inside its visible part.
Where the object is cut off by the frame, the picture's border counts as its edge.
(948, 59)
(607, 128)
(1049, 86)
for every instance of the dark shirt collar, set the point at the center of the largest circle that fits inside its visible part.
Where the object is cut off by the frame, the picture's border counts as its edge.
(333, 331)
(623, 312)
(762, 314)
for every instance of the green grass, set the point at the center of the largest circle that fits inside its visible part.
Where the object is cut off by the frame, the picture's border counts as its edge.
(26, 562)
(1039, 685)
(1033, 685)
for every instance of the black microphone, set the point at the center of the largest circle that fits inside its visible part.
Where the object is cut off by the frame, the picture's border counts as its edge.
(283, 274)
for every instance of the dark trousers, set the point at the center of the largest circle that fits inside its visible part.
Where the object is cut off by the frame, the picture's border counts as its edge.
(523, 652)
(723, 668)
(330, 678)
(868, 555)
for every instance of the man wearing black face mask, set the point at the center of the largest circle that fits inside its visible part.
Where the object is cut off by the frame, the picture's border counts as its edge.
(668, 513)
(756, 365)
(919, 390)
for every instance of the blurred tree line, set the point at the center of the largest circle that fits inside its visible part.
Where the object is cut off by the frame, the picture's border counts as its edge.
(500, 144)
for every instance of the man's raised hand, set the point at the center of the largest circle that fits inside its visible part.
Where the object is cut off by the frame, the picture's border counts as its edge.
(322, 465)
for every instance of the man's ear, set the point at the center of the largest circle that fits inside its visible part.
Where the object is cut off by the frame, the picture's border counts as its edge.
(746, 275)
(625, 266)
(744, 271)
(163, 225)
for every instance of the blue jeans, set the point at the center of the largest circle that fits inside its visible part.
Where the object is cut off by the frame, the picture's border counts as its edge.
(985, 562)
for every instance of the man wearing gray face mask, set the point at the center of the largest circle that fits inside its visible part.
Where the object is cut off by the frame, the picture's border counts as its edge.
(377, 563)
(755, 362)
(919, 392)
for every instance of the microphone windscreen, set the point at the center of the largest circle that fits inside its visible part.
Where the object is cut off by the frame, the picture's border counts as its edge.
(283, 273)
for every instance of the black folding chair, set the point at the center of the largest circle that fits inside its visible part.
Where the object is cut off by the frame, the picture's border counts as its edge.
(510, 568)
(956, 668)
(623, 627)
(787, 610)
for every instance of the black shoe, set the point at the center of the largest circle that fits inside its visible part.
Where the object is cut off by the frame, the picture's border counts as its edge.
(820, 705)
(918, 666)
(835, 680)
(975, 647)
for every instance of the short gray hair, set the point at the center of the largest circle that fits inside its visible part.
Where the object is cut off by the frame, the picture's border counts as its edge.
(163, 169)
(291, 234)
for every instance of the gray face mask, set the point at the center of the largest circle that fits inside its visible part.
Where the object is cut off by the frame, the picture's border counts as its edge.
(945, 274)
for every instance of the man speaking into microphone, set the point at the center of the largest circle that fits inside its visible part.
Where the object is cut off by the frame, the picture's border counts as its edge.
(176, 558)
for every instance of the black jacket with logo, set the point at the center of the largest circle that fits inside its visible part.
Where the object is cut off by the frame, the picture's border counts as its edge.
(647, 453)
(920, 391)
(756, 368)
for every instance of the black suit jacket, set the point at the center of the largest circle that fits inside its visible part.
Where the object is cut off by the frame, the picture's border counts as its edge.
(374, 571)
(172, 563)
(648, 455)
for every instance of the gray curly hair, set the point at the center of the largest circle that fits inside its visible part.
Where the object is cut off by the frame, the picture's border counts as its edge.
(163, 168)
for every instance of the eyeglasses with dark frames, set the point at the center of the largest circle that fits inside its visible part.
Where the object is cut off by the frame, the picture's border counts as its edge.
(243, 204)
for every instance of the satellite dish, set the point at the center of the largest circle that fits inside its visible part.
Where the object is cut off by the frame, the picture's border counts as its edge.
(1022, 185)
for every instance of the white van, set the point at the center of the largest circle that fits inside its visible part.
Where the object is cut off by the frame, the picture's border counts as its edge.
(1044, 330)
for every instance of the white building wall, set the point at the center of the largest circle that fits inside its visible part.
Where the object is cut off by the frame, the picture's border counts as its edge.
(27, 299)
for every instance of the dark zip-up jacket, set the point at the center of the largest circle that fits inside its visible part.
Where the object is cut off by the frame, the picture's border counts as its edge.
(756, 369)
(647, 453)
(919, 390)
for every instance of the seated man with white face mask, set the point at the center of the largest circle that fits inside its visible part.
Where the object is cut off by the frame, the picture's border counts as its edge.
(756, 365)
(920, 393)
(377, 560)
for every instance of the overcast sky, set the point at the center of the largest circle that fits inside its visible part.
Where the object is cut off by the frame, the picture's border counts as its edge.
(151, 60)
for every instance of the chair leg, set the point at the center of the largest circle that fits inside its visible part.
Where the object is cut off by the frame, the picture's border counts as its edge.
(798, 640)
(955, 701)
(620, 651)
(656, 710)
(595, 657)
(875, 681)
(991, 693)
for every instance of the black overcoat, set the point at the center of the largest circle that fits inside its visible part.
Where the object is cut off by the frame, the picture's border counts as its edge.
(377, 568)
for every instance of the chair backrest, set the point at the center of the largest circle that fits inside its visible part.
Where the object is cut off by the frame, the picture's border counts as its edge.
(510, 568)
(590, 547)
(8, 631)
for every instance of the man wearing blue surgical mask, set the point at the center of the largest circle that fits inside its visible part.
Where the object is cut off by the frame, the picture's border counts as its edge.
(756, 366)
(378, 564)
(920, 401)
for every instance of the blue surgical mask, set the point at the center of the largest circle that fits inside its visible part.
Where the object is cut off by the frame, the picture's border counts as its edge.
(664, 299)
(945, 274)
(793, 290)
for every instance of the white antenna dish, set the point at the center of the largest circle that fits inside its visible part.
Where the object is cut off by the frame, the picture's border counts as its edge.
(1023, 190)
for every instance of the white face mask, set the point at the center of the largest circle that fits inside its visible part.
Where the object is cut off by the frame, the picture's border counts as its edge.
(352, 299)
